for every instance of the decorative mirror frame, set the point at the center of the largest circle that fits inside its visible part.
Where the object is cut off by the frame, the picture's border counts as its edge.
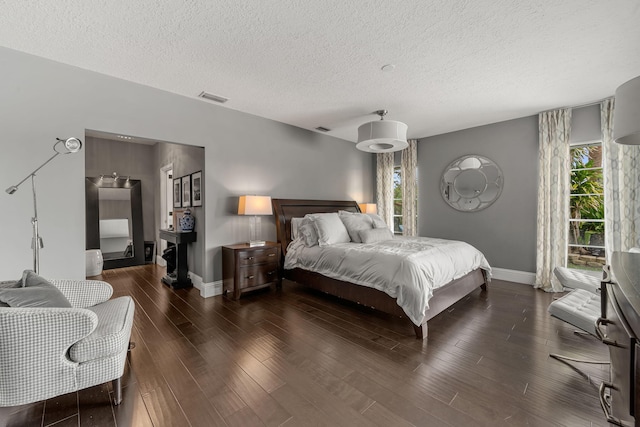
(490, 177)
(93, 220)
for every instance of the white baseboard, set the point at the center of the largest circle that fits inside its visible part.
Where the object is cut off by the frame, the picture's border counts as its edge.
(523, 277)
(207, 290)
(212, 289)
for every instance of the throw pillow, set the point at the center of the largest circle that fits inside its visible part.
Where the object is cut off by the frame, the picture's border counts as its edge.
(295, 227)
(378, 222)
(35, 292)
(308, 232)
(376, 235)
(330, 229)
(9, 284)
(355, 222)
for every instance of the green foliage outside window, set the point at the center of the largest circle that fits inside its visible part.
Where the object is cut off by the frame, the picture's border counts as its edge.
(587, 200)
(397, 201)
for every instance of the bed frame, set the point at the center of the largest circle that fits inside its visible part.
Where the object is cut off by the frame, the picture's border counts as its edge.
(442, 298)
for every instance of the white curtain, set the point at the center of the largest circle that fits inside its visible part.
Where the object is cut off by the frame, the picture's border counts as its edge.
(621, 187)
(553, 196)
(384, 184)
(409, 171)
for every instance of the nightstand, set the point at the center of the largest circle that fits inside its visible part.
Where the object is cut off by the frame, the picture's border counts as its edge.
(246, 268)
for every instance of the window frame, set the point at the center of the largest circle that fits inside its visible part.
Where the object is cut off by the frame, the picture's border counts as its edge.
(397, 170)
(570, 220)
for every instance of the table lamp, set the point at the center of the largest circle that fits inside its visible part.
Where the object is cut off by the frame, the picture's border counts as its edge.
(255, 206)
(368, 208)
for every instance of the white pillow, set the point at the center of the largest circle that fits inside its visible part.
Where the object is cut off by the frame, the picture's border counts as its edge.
(295, 225)
(378, 222)
(375, 235)
(354, 223)
(307, 232)
(330, 229)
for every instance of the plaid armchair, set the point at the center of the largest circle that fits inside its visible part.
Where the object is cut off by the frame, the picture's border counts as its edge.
(46, 352)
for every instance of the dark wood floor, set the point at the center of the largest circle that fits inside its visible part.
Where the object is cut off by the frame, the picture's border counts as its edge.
(294, 357)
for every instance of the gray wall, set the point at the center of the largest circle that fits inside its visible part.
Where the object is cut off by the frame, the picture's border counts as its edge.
(585, 124)
(244, 154)
(506, 231)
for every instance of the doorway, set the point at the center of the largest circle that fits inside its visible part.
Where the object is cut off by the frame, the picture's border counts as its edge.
(166, 204)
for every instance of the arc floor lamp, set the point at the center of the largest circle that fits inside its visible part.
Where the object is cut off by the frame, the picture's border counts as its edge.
(70, 145)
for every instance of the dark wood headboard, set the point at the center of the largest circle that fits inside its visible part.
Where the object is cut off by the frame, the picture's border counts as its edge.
(285, 209)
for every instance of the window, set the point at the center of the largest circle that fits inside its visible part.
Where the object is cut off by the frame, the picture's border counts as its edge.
(586, 208)
(397, 200)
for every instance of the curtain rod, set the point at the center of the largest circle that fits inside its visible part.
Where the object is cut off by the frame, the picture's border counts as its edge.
(573, 107)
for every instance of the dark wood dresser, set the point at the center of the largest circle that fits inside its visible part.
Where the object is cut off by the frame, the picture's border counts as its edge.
(246, 268)
(621, 316)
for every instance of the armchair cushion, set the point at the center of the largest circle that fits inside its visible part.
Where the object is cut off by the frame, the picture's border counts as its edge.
(35, 292)
(576, 279)
(112, 334)
(579, 308)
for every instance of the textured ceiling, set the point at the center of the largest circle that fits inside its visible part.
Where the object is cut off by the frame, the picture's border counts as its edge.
(459, 63)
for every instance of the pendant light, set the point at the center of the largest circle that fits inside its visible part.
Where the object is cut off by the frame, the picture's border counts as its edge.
(626, 115)
(382, 136)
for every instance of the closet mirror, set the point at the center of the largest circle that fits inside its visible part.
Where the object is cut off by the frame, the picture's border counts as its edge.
(114, 220)
(471, 183)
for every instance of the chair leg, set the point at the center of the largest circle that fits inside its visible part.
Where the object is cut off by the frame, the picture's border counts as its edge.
(117, 391)
(572, 359)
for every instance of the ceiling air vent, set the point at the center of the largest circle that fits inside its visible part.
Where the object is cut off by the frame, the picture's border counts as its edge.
(212, 97)
(322, 129)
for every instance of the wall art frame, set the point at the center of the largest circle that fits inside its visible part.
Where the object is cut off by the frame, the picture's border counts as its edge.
(177, 193)
(186, 191)
(196, 189)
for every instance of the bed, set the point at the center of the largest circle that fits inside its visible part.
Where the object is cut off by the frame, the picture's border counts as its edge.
(442, 298)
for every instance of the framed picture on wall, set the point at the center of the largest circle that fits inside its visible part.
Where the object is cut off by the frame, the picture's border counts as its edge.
(196, 188)
(186, 191)
(177, 193)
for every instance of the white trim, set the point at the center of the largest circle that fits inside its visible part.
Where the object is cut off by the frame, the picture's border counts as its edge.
(207, 290)
(160, 261)
(164, 189)
(523, 277)
(574, 144)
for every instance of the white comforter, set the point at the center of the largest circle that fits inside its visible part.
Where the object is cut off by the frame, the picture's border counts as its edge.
(405, 268)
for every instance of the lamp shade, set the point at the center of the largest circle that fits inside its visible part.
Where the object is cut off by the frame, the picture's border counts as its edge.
(382, 136)
(626, 115)
(255, 205)
(368, 208)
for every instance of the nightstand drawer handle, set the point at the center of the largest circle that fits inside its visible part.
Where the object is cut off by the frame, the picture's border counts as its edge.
(250, 277)
(272, 254)
(271, 272)
(250, 258)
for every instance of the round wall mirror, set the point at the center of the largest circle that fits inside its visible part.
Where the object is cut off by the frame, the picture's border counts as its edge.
(471, 183)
